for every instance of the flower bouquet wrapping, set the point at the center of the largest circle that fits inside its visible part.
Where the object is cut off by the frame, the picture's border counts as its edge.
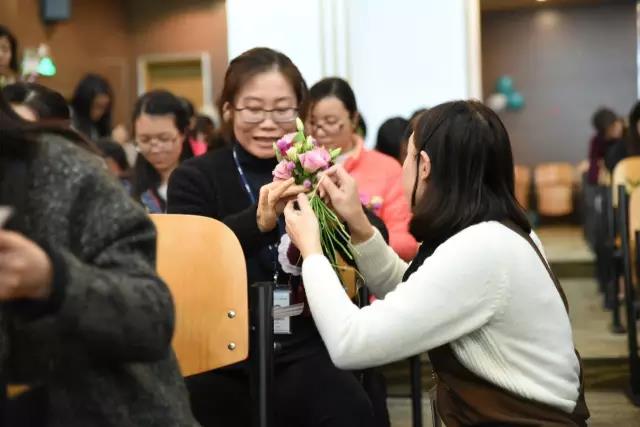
(301, 157)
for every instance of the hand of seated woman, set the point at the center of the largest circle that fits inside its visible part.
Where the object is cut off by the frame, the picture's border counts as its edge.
(342, 191)
(273, 198)
(302, 226)
(25, 268)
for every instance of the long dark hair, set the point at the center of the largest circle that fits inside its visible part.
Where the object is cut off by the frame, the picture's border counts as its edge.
(18, 146)
(251, 63)
(49, 105)
(89, 87)
(158, 103)
(472, 173)
(13, 43)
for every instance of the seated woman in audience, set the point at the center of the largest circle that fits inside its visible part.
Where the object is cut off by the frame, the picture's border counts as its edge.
(609, 128)
(202, 135)
(85, 321)
(35, 102)
(627, 146)
(262, 93)
(8, 57)
(391, 138)
(92, 105)
(479, 297)
(160, 125)
(333, 119)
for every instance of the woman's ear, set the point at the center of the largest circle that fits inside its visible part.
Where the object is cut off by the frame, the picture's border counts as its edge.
(226, 112)
(424, 170)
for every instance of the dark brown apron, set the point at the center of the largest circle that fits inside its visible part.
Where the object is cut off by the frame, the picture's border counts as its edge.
(465, 399)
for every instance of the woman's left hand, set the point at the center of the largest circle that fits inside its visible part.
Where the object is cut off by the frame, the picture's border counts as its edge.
(302, 226)
(25, 268)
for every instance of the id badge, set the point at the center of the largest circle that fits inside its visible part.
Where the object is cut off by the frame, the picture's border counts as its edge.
(282, 298)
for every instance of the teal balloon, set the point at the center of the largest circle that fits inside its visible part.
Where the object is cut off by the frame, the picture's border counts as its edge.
(504, 85)
(515, 101)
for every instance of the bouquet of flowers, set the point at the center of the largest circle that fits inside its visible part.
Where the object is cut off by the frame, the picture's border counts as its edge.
(300, 157)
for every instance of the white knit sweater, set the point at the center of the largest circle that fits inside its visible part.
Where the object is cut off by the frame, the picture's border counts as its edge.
(484, 291)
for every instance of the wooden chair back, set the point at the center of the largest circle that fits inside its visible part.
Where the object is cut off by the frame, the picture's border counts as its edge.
(202, 262)
(627, 173)
(554, 187)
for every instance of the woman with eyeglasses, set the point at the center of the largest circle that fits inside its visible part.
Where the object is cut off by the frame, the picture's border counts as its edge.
(262, 93)
(333, 117)
(160, 123)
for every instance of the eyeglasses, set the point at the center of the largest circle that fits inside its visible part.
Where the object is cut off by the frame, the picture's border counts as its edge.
(258, 115)
(145, 143)
(329, 128)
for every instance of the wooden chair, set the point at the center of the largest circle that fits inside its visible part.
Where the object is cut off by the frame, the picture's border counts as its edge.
(627, 173)
(202, 262)
(207, 278)
(554, 188)
(629, 220)
(522, 175)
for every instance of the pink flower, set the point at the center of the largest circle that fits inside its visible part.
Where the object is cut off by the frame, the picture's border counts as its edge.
(307, 184)
(315, 160)
(285, 143)
(283, 170)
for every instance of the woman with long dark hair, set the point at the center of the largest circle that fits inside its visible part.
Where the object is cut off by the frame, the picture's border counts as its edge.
(160, 124)
(92, 105)
(36, 102)
(86, 323)
(479, 297)
(8, 57)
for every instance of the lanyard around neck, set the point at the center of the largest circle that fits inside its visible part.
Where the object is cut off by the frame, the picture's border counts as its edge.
(243, 177)
(245, 182)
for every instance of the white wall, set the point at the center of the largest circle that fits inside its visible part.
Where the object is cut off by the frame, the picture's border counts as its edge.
(290, 26)
(398, 55)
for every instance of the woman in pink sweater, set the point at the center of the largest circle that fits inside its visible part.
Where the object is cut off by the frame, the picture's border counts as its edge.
(332, 117)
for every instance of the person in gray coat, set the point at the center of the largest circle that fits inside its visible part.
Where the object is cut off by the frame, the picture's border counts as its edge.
(85, 321)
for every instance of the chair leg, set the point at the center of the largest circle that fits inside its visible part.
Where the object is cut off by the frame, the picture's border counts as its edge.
(261, 354)
(416, 390)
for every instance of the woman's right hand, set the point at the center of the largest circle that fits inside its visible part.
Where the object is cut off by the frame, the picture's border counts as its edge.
(342, 191)
(273, 198)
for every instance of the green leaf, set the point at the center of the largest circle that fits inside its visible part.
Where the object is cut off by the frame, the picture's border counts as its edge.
(275, 149)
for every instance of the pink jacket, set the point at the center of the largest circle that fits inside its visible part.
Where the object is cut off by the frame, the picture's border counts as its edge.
(379, 179)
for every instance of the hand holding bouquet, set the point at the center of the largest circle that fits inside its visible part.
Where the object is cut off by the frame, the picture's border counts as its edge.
(301, 158)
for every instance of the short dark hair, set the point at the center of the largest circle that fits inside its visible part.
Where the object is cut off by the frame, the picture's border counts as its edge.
(188, 106)
(390, 136)
(472, 172)
(48, 104)
(87, 89)
(602, 119)
(13, 43)
(111, 149)
(334, 87)
(158, 103)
